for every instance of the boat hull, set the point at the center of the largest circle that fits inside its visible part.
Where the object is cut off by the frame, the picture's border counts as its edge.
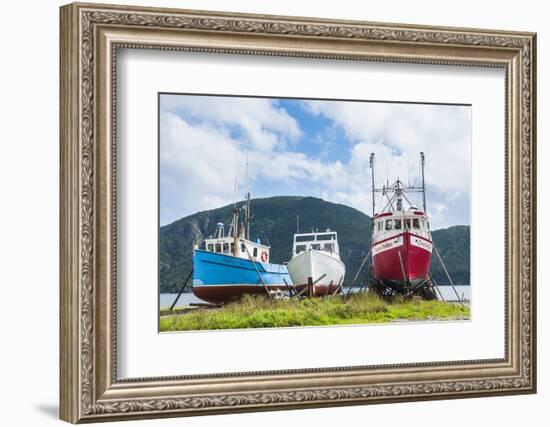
(402, 260)
(314, 264)
(220, 278)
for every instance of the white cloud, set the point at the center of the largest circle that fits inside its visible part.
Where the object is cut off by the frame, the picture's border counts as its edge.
(265, 125)
(200, 166)
(205, 142)
(398, 132)
(190, 181)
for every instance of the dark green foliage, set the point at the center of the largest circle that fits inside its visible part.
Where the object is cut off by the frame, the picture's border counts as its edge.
(453, 244)
(177, 241)
(274, 223)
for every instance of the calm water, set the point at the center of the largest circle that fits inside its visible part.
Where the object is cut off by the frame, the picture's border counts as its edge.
(166, 300)
(449, 295)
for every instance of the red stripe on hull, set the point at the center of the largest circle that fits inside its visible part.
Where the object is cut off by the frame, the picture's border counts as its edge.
(415, 260)
(228, 293)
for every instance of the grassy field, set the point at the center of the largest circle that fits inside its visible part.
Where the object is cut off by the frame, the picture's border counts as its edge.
(261, 312)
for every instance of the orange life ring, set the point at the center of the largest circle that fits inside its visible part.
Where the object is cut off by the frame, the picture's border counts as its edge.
(263, 256)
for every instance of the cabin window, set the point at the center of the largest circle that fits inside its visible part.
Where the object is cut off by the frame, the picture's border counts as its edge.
(300, 248)
(232, 248)
(305, 238)
(255, 252)
(428, 224)
(407, 223)
(397, 224)
(243, 248)
(226, 248)
(389, 224)
(416, 223)
(330, 236)
(210, 247)
(329, 247)
(380, 224)
(316, 246)
(218, 247)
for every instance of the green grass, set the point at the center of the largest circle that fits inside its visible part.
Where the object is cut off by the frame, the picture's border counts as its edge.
(176, 310)
(261, 312)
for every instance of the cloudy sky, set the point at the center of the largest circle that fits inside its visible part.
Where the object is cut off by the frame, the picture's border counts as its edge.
(310, 148)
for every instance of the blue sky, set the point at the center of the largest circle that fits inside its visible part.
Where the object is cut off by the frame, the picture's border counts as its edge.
(309, 148)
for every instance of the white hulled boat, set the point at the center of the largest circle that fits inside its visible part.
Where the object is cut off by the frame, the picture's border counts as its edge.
(315, 267)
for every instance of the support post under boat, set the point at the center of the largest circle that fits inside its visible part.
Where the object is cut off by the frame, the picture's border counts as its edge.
(436, 287)
(365, 282)
(406, 287)
(307, 288)
(358, 271)
(339, 286)
(327, 290)
(299, 294)
(181, 290)
(258, 273)
(313, 283)
(321, 277)
(289, 288)
(448, 275)
(310, 292)
(424, 284)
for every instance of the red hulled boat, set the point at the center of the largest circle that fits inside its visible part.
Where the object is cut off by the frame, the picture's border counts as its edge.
(401, 239)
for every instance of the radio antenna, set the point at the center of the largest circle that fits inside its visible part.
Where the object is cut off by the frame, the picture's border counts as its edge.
(246, 172)
(423, 184)
(235, 168)
(372, 176)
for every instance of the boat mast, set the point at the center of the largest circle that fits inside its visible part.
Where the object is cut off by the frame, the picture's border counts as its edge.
(372, 176)
(396, 192)
(235, 230)
(247, 208)
(423, 185)
(247, 216)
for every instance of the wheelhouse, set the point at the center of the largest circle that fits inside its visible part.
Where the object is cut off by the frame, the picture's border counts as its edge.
(388, 224)
(225, 244)
(326, 241)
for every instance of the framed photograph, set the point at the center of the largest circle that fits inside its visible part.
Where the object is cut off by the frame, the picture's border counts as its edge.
(266, 212)
(305, 253)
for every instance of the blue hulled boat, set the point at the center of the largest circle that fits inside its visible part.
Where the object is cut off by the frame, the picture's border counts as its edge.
(228, 266)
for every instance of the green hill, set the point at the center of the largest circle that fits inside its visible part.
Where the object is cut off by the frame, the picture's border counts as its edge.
(453, 244)
(274, 223)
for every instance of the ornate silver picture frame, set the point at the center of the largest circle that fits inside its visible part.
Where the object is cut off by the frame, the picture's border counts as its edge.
(91, 37)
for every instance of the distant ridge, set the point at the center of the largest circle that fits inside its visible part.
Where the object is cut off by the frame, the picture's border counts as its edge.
(274, 223)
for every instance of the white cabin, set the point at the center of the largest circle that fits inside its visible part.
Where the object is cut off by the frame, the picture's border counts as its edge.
(225, 244)
(326, 241)
(388, 224)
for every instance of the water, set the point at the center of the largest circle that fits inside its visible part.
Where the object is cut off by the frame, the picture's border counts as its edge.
(449, 295)
(186, 298)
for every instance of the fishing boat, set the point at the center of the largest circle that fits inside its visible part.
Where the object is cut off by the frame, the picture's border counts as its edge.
(315, 267)
(401, 238)
(227, 266)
